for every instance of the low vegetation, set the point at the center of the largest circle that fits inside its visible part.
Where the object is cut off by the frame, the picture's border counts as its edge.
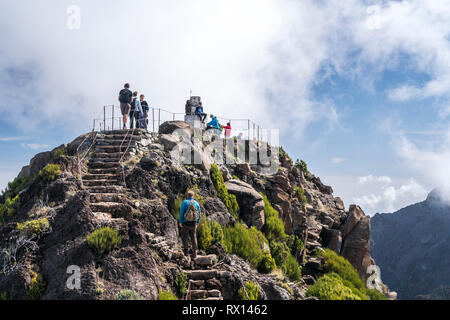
(250, 291)
(181, 283)
(50, 172)
(128, 295)
(8, 208)
(300, 164)
(339, 271)
(36, 287)
(166, 295)
(103, 240)
(274, 226)
(228, 199)
(300, 194)
(34, 228)
(331, 287)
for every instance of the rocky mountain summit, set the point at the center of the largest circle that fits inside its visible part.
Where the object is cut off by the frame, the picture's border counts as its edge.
(411, 247)
(104, 208)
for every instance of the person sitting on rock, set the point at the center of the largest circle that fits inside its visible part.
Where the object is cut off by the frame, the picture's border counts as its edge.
(213, 124)
(200, 113)
(189, 219)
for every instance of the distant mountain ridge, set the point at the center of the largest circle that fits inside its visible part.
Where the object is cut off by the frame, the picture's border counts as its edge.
(412, 248)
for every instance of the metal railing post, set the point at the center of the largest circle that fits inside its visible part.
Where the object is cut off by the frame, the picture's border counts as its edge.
(153, 118)
(112, 120)
(159, 118)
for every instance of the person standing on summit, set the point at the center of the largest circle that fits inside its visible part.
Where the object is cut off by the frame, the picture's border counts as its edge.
(189, 218)
(125, 96)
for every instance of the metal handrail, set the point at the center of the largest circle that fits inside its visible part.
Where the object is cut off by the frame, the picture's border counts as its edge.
(94, 137)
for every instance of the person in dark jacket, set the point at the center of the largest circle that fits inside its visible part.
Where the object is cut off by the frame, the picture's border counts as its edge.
(200, 113)
(145, 110)
(125, 98)
(136, 111)
(189, 229)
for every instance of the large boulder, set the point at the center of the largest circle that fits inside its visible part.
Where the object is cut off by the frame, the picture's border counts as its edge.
(170, 127)
(355, 245)
(250, 202)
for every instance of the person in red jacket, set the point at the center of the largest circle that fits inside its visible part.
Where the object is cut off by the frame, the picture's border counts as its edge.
(227, 129)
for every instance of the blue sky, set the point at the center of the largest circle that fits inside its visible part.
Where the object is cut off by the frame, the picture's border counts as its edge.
(358, 89)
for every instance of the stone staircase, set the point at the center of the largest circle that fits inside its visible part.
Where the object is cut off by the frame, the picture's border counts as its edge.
(204, 284)
(103, 179)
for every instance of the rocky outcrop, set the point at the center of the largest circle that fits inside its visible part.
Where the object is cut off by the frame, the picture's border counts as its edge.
(356, 235)
(250, 202)
(139, 197)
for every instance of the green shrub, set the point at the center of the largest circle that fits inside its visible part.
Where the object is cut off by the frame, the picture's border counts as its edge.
(248, 243)
(235, 177)
(181, 283)
(9, 208)
(50, 172)
(34, 228)
(176, 208)
(300, 194)
(300, 164)
(228, 199)
(166, 295)
(216, 232)
(348, 274)
(14, 187)
(128, 295)
(60, 152)
(274, 226)
(36, 287)
(4, 296)
(250, 291)
(331, 287)
(285, 260)
(267, 263)
(204, 236)
(295, 244)
(292, 268)
(104, 240)
(282, 154)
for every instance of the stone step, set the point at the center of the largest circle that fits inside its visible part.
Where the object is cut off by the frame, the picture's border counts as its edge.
(313, 236)
(102, 216)
(110, 155)
(212, 298)
(100, 176)
(106, 197)
(94, 160)
(100, 182)
(126, 131)
(109, 149)
(103, 165)
(118, 137)
(117, 142)
(205, 261)
(108, 207)
(204, 294)
(105, 189)
(96, 171)
(201, 274)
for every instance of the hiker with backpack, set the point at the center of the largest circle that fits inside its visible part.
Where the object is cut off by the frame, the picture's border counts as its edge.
(136, 111)
(125, 98)
(189, 219)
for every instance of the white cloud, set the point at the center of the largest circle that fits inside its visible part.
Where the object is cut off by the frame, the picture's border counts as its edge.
(9, 139)
(34, 146)
(390, 198)
(337, 160)
(371, 178)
